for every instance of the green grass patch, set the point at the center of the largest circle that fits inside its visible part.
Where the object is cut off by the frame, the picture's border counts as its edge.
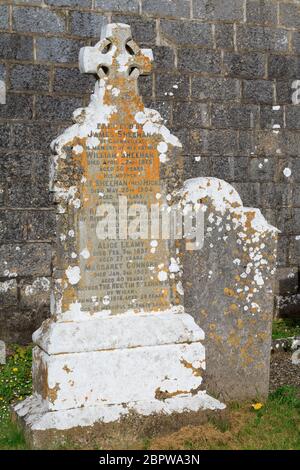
(285, 327)
(15, 385)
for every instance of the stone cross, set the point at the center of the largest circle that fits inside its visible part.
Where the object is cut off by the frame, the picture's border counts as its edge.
(116, 55)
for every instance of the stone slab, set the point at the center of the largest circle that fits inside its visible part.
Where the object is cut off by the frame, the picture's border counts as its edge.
(92, 427)
(124, 331)
(229, 289)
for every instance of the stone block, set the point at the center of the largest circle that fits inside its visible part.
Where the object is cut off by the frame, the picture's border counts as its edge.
(57, 50)
(236, 116)
(4, 135)
(56, 108)
(15, 262)
(163, 107)
(123, 6)
(162, 8)
(194, 114)
(196, 165)
(29, 136)
(146, 86)
(296, 42)
(170, 85)
(283, 66)
(17, 107)
(215, 89)
(12, 226)
(29, 77)
(69, 80)
(41, 225)
(35, 294)
(4, 17)
(86, 24)
(287, 281)
(262, 39)
(258, 91)
(15, 164)
(292, 117)
(187, 32)
(271, 117)
(251, 65)
(249, 193)
(8, 293)
(38, 20)
(261, 12)
(240, 168)
(164, 58)
(143, 29)
(274, 194)
(222, 167)
(17, 326)
(289, 15)
(219, 10)
(15, 46)
(199, 60)
(215, 141)
(69, 3)
(262, 169)
(224, 36)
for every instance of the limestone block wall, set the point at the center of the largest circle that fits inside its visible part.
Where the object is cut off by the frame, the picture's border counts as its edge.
(225, 80)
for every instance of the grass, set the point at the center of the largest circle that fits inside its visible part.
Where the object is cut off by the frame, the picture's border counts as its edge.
(285, 328)
(15, 385)
(276, 425)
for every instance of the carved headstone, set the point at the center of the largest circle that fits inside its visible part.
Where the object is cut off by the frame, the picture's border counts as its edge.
(118, 340)
(229, 290)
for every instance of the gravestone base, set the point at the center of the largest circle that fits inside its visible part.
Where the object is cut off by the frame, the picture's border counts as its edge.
(152, 370)
(126, 432)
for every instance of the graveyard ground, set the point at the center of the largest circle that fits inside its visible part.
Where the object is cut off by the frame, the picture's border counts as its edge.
(271, 425)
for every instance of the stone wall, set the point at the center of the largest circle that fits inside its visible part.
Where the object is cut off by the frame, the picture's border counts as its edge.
(223, 78)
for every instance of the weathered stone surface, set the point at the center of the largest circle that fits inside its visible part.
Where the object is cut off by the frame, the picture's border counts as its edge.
(38, 20)
(261, 12)
(189, 32)
(127, 431)
(12, 266)
(125, 6)
(4, 17)
(218, 9)
(224, 36)
(262, 38)
(128, 278)
(86, 24)
(29, 77)
(176, 8)
(251, 65)
(198, 60)
(57, 50)
(216, 89)
(8, 293)
(2, 352)
(258, 91)
(16, 47)
(228, 288)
